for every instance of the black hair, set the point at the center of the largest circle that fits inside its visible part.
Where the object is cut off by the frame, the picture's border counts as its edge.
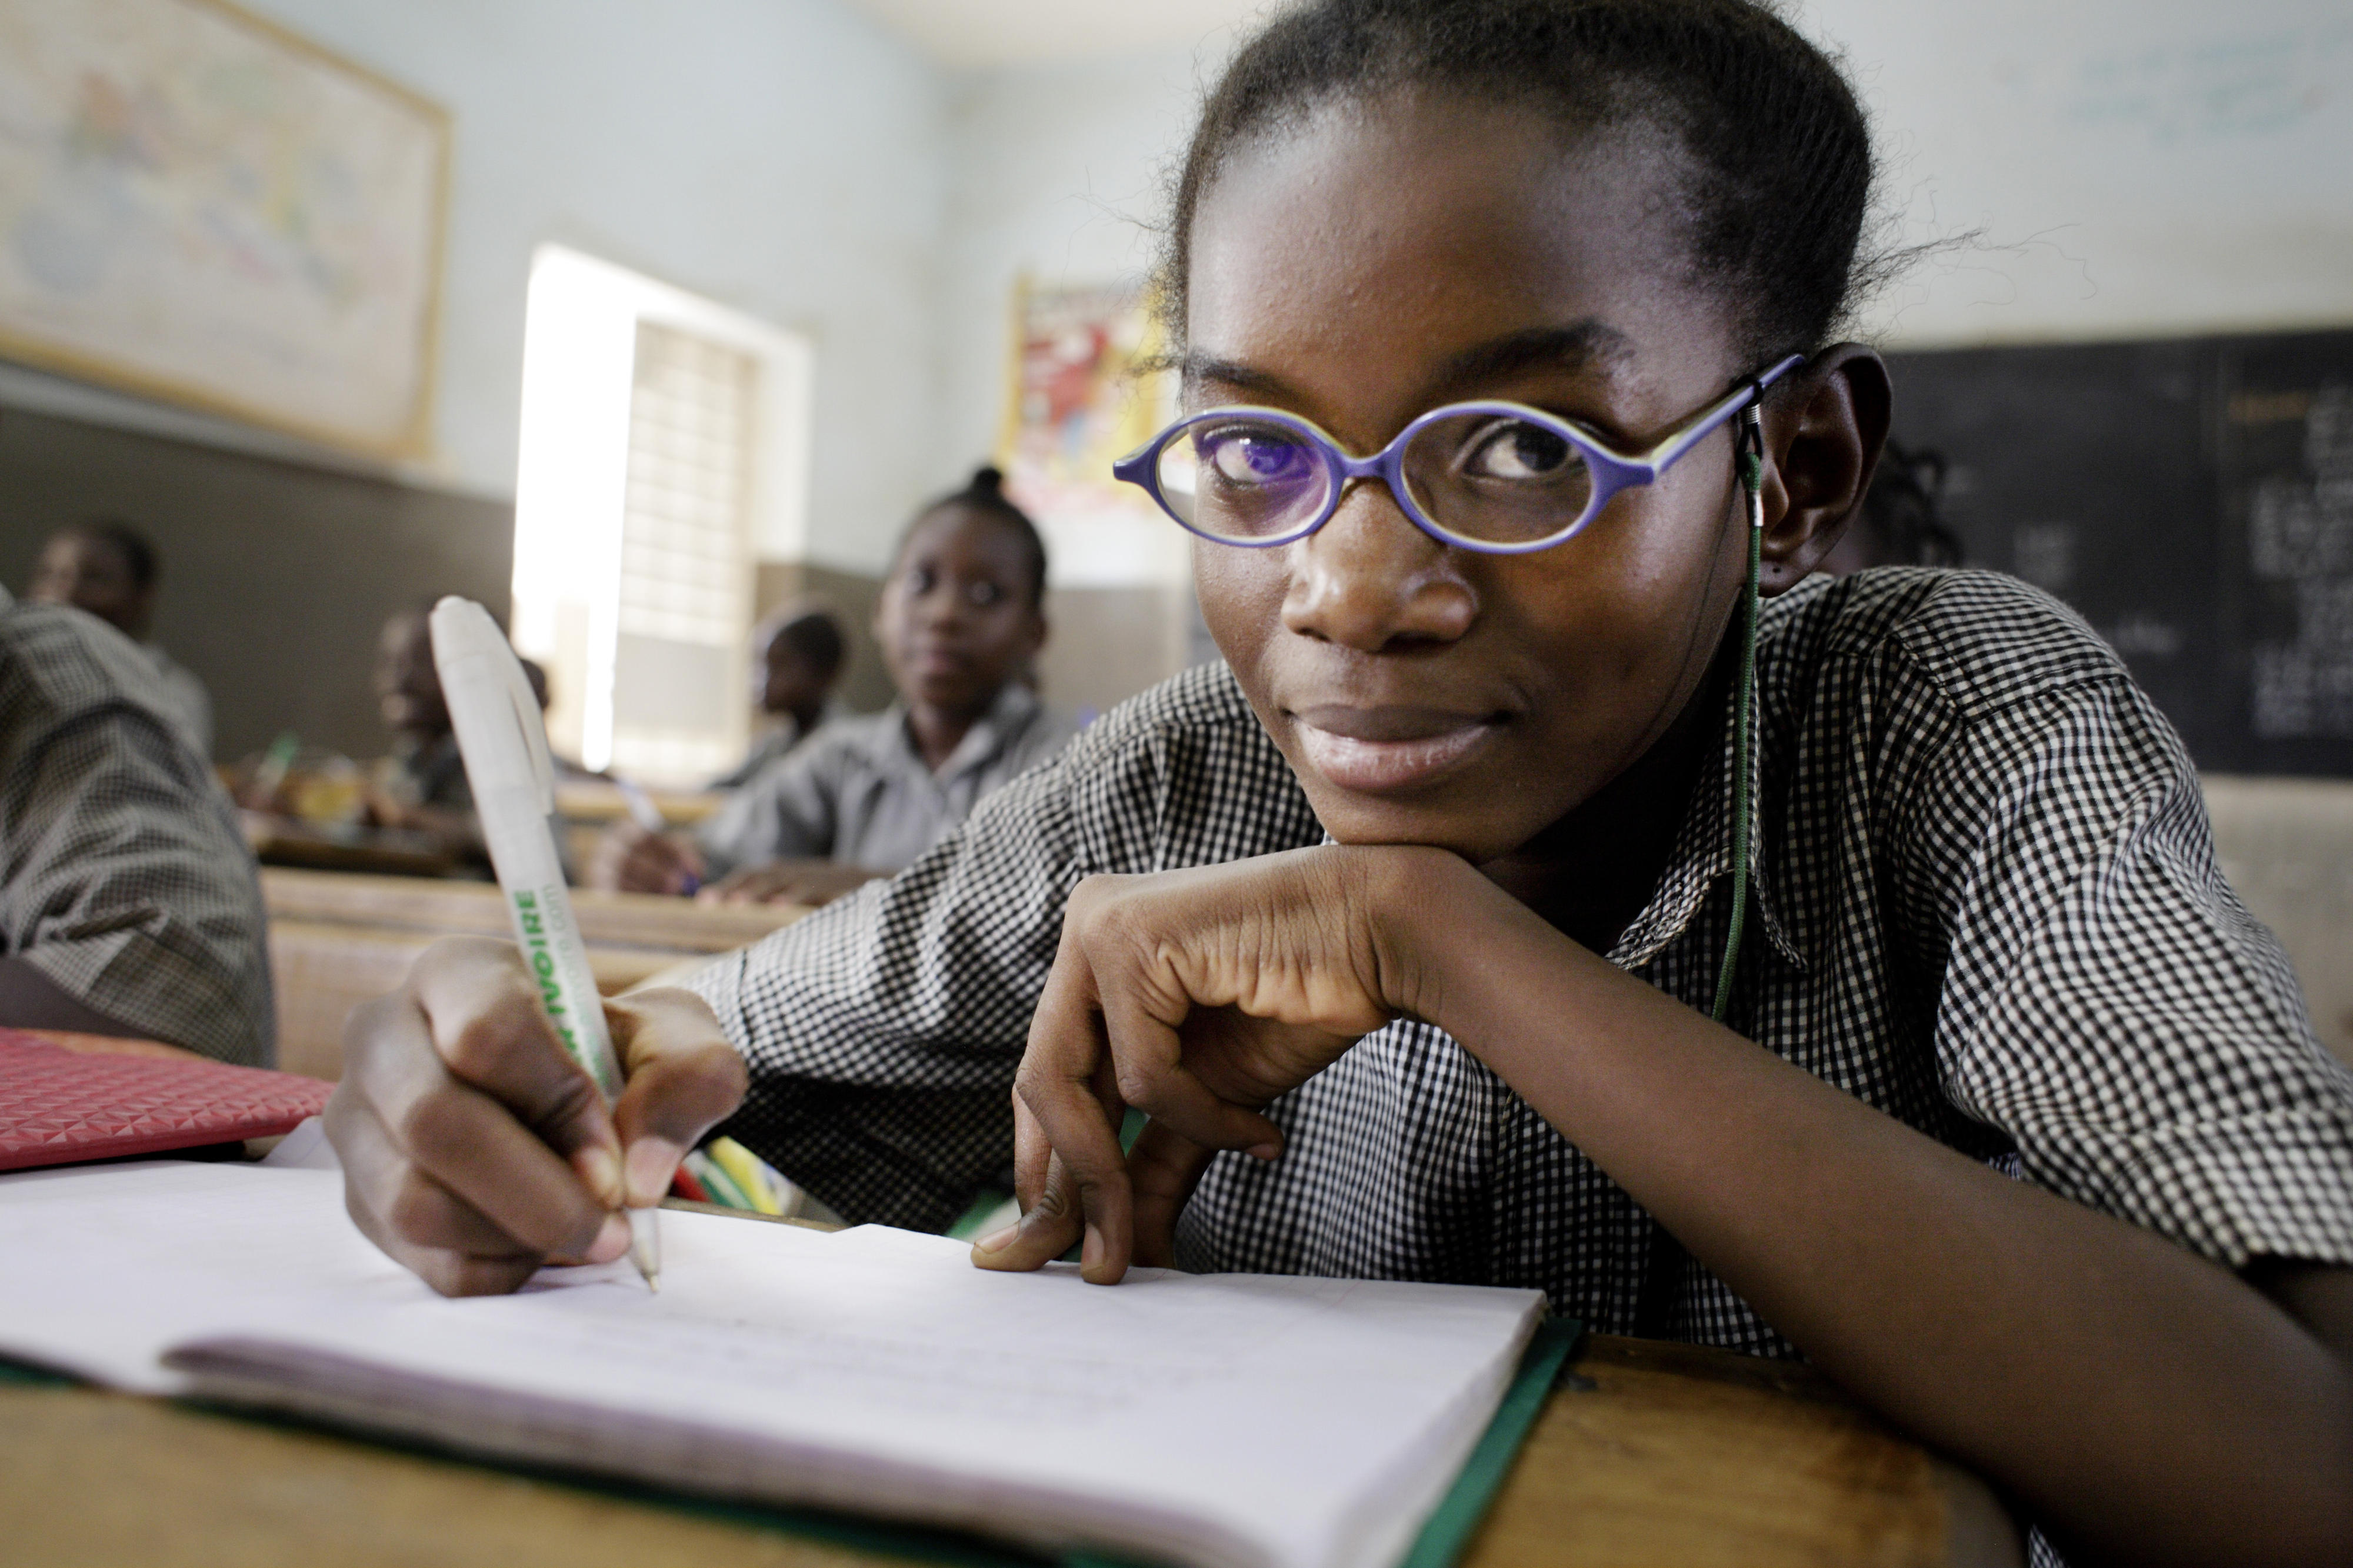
(138, 552)
(1900, 513)
(1780, 157)
(814, 636)
(984, 493)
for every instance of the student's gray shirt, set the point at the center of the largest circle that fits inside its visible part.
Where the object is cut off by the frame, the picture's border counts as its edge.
(858, 791)
(773, 744)
(187, 697)
(123, 877)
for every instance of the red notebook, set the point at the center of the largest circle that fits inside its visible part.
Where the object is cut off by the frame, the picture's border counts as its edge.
(57, 1105)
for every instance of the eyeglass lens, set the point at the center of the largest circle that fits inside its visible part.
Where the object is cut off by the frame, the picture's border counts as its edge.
(1486, 477)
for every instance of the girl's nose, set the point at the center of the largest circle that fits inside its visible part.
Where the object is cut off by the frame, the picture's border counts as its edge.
(1369, 579)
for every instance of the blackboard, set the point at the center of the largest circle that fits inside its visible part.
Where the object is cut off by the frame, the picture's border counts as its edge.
(2191, 498)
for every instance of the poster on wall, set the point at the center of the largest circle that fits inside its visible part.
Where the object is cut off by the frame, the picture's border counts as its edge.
(199, 206)
(1086, 390)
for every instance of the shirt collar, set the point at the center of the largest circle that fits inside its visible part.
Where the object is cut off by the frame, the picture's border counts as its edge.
(1703, 856)
(893, 746)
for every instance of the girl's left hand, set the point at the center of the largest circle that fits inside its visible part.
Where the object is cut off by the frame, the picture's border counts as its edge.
(1197, 996)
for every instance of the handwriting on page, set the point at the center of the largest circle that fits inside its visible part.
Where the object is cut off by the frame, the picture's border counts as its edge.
(916, 1379)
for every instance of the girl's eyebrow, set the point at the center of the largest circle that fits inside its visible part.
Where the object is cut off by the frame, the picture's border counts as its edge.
(1581, 345)
(1198, 367)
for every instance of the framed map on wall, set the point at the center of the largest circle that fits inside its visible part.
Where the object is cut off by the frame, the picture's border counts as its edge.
(199, 206)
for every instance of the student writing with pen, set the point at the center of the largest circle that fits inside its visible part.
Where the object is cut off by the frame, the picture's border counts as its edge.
(1499, 911)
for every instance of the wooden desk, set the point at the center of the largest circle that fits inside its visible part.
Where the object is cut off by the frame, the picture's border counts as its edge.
(388, 851)
(592, 800)
(337, 939)
(1648, 1454)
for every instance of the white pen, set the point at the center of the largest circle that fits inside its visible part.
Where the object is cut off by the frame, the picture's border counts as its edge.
(504, 743)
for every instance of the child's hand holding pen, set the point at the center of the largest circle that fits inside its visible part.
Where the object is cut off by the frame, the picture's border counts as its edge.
(474, 1150)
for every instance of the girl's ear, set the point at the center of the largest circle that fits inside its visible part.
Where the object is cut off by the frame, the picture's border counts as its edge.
(1823, 431)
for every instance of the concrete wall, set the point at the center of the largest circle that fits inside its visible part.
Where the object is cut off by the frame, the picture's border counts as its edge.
(2132, 167)
(782, 157)
(277, 577)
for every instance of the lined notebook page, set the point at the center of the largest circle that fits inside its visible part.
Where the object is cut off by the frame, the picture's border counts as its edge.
(1234, 1420)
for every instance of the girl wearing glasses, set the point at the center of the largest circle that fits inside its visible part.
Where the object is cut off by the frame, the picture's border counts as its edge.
(1553, 887)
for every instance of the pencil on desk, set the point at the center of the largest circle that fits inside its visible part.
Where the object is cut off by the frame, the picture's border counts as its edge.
(717, 1183)
(683, 1183)
(748, 1172)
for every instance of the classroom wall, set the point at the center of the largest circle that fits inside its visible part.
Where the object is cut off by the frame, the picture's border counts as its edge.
(1056, 173)
(779, 156)
(277, 575)
(2132, 168)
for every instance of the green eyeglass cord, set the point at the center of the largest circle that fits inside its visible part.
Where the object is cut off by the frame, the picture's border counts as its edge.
(1748, 458)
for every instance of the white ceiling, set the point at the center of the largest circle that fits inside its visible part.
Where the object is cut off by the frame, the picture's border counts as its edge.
(969, 35)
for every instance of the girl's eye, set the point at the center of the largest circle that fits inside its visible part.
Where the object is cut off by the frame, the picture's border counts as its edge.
(980, 596)
(1257, 454)
(1516, 452)
(921, 580)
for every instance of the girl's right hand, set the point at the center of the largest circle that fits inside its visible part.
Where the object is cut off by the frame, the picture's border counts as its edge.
(474, 1150)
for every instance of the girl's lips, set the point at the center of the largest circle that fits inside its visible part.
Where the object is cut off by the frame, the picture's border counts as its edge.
(1375, 767)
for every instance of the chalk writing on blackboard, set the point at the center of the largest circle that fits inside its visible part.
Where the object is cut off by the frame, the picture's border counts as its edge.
(2300, 536)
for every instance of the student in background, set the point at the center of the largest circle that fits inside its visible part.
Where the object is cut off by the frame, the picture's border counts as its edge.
(1413, 926)
(421, 784)
(961, 616)
(801, 655)
(111, 569)
(128, 900)
(1898, 525)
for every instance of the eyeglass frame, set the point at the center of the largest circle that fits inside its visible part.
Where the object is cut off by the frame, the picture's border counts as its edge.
(1612, 471)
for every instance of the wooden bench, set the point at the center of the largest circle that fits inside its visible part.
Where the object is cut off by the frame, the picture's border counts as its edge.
(337, 939)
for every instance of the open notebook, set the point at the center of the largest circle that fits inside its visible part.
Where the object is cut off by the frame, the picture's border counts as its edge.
(1229, 1421)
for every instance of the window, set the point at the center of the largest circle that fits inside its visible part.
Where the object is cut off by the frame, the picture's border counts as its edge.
(663, 451)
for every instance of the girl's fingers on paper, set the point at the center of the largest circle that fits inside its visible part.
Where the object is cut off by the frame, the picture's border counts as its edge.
(1067, 1081)
(683, 1079)
(482, 1012)
(1050, 1221)
(1163, 1169)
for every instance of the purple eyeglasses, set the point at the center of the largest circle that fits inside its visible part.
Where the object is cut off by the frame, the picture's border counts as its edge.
(1497, 478)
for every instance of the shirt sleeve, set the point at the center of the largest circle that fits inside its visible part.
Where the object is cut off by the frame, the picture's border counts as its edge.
(2107, 1003)
(787, 813)
(882, 1032)
(127, 882)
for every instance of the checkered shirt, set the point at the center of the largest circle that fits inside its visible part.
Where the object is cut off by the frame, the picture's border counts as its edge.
(1986, 902)
(123, 877)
